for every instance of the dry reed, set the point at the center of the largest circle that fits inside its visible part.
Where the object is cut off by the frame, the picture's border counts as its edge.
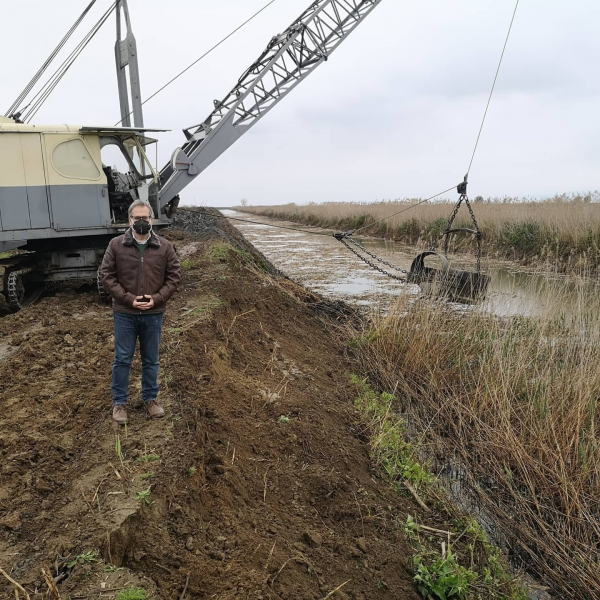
(514, 400)
(564, 230)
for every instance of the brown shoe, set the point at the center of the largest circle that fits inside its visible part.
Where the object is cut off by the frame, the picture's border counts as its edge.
(155, 410)
(120, 415)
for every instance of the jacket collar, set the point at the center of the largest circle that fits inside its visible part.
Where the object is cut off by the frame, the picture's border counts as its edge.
(153, 240)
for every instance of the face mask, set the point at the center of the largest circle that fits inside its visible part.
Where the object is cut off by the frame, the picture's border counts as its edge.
(142, 227)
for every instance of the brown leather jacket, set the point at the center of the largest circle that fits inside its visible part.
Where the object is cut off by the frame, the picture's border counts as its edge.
(126, 274)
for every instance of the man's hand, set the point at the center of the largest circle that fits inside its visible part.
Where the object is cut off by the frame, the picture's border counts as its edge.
(143, 305)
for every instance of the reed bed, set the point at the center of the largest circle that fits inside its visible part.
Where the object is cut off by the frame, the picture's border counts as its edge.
(514, 402)
(563, 230)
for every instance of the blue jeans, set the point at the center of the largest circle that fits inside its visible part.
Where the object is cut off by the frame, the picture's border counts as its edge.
(128, 328)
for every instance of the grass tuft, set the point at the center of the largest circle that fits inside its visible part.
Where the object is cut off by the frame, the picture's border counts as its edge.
(443, 579)
(89, 557)
(133, 594)
(148, 457)
(144, 496)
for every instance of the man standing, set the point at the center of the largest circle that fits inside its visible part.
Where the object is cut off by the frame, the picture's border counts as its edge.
(141, 272)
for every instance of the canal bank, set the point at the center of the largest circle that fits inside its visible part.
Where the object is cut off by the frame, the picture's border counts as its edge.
(499, 398)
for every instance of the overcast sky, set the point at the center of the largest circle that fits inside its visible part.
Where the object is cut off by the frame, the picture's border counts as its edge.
(394, 113)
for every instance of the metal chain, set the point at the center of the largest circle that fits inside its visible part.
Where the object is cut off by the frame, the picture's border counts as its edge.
(450, 222)
(434, 245)
(378, 258)
(463, 197)
(343, 239)
(478, 233)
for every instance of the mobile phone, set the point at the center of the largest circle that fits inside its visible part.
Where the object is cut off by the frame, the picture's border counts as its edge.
(144, 300)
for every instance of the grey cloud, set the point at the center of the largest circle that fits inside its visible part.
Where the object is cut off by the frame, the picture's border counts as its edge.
(394, 113)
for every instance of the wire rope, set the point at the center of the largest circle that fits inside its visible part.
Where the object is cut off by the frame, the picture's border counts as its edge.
(221, 216)
(44, 93)
(478, 135)
(493, 87)
(166, 85)
(48, 61)
(405, 209)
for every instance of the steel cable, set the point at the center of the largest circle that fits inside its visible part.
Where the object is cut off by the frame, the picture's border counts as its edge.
(166, 85)
(43, 94)
(403, 210)
(270, 225)
(48, 61)
(493, 88)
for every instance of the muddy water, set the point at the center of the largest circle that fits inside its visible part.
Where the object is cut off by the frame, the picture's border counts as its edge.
(324, 265)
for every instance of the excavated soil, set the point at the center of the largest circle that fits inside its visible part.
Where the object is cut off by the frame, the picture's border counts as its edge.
(256, 485)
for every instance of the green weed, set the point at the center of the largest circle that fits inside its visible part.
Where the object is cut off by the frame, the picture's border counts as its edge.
(222, 252)
(219, 252)
(363, 340)
(409, 230)
(394, 456)
(207, 306)
(144, 496)
(192, 471)
(89, 557)
(147, 475)
(434, 229)
(133, 594)
(144, 458)
(189, 263)
(526, 238)
(284, 419)
(442, 578)
(112, 569)
(119, 451)
(411, 528)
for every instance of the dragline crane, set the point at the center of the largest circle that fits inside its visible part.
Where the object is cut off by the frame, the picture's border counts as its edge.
(59, 201)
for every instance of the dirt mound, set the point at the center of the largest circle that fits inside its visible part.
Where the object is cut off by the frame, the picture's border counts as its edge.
(209, 224)
(256, 485)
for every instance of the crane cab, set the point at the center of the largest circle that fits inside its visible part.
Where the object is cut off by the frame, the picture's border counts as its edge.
(53, 182)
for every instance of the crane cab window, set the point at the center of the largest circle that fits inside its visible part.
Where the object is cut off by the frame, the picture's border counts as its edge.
(114, 157)
(72, 159)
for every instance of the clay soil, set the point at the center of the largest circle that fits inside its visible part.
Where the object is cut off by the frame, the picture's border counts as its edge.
(256, 485)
